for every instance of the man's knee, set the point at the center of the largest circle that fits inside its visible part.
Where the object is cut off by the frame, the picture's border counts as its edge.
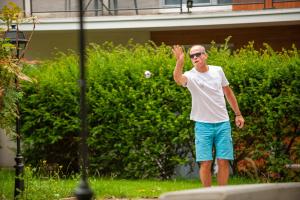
(223, 163)
(206, 164)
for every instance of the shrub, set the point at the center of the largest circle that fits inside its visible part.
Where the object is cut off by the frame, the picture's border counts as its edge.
(266, 84)
(50, 122)
(140, 127)
(10, 70)
(137, 125)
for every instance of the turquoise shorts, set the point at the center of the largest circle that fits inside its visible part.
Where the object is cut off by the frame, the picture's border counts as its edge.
(208, 135)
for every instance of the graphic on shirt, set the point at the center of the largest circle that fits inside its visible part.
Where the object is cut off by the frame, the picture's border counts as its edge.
(208, 101)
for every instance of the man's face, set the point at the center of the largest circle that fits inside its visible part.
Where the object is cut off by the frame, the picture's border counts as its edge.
(198, 56)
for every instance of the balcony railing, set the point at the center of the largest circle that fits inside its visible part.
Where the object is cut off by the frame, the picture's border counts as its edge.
(69, 8)
(103, 7)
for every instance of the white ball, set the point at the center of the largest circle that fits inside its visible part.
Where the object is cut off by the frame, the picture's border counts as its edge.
(147, 74)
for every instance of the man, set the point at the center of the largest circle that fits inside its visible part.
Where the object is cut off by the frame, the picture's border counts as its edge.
(208, 85)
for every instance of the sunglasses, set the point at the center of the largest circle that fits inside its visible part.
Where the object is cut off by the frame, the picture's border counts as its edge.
(198, 54)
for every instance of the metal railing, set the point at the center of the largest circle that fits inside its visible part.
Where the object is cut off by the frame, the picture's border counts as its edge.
(99, 7)
(129, 7)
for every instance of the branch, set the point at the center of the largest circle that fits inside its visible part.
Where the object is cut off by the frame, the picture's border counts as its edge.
(292, 141)
(26, 47)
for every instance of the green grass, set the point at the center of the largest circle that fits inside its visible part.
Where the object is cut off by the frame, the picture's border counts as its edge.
(53, 188)
(6, 184)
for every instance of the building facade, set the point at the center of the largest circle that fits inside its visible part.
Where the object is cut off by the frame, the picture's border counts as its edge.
(276, 22)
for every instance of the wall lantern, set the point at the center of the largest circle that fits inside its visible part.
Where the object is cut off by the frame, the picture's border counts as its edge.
(17, 38)
(189, 4)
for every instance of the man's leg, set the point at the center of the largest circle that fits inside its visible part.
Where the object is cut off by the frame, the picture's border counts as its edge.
(205, 173)
(224, 151)
(204, 143)
(223, 171)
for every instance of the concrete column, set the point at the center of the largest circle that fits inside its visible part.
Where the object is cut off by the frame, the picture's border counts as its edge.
(27, 8)
(7, 150)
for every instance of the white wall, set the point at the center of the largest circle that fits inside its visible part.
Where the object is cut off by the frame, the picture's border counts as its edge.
(7, 150)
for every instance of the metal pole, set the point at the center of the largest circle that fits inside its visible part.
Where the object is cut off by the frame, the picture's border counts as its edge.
(83, 192)
(116, 6)
(96, 4)
(31, 8)
(19, 180)
(136, 8)
(180, 6)
(24, 8)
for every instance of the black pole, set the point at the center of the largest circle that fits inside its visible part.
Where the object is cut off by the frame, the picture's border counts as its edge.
(19, 180)
(180, 6)
(83, 192)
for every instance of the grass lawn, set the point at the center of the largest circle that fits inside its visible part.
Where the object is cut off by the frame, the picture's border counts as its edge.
(53, 188)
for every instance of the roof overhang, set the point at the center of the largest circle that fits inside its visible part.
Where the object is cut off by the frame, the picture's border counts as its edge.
(195, 20)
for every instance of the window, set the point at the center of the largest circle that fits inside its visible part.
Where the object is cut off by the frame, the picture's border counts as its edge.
(177, 2)
(201, 1)
(172, 2)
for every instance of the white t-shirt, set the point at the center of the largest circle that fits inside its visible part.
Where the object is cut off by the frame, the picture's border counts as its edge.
(208, 101)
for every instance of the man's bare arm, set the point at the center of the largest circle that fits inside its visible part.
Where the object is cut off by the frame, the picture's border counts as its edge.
(179, 78)
(239, 120)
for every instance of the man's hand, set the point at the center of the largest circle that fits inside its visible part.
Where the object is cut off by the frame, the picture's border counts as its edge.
(239, 121)
(178, 53)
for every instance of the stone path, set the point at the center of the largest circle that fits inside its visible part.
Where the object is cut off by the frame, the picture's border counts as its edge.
(73, 198)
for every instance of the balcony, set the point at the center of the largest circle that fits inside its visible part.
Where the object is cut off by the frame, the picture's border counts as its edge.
(69, 8)
(276, 22)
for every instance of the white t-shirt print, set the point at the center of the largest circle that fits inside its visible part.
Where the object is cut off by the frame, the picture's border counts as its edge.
(208, 101)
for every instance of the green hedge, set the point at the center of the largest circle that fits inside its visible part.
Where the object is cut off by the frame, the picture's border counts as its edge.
(267, 86)
(139, 127)
(9, 95)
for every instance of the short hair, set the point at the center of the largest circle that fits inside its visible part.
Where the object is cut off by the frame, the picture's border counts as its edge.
(198, 46)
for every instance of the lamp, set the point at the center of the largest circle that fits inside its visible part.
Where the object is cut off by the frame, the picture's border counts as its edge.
(189, 4)
(17, 38)
(83, 191)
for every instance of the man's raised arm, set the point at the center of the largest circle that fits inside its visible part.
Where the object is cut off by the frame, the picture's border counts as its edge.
(178, 74)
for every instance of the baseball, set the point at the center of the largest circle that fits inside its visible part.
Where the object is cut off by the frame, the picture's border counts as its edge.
(147, 74)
